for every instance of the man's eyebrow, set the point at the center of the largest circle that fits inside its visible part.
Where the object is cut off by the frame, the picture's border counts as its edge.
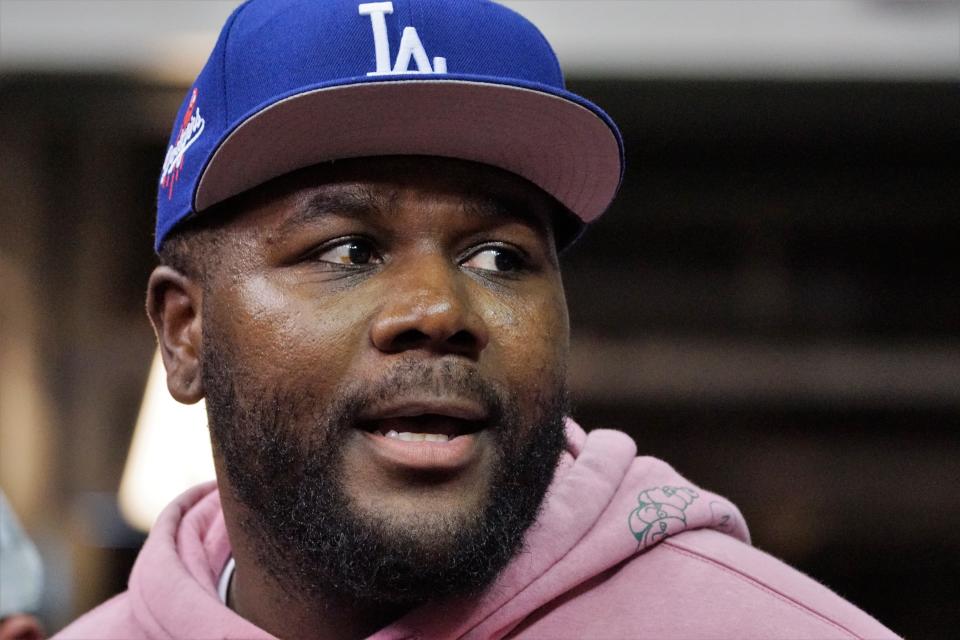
(348, 202)
(517, 208)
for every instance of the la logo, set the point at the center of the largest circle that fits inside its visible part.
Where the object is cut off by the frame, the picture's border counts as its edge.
(410, 46)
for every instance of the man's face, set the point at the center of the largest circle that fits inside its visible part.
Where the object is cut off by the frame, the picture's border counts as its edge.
(384, 348)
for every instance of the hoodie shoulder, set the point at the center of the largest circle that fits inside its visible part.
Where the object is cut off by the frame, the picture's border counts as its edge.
(112, 620)
(701, 584)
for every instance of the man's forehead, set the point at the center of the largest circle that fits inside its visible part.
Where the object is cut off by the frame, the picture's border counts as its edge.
(370, 187)
(443, 175)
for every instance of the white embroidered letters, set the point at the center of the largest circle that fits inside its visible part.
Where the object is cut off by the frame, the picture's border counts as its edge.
(190, 129)
(377, 12)
(410, 45)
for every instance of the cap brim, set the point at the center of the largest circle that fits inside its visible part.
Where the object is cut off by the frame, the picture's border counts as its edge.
(571, 151)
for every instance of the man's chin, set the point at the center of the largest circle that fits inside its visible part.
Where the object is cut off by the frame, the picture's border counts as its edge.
(433, 530)
(424, 547)
(427, 516)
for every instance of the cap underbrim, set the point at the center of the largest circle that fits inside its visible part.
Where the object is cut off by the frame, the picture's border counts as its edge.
(571, 151)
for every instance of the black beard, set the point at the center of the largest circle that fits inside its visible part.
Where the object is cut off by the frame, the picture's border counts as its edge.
(280, 451)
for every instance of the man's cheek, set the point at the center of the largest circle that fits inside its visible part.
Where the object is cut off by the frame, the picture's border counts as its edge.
(539, 366)
(294, 330)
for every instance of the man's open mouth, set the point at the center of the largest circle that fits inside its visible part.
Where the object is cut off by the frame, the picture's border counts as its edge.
(424, 419)
(422, 428)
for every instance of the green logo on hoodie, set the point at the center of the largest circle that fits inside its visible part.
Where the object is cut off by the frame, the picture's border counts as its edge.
(660, 513)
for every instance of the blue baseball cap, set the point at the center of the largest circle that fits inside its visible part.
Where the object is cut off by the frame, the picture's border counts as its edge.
(293, 83)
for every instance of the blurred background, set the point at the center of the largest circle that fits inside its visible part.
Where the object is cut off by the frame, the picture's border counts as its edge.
(772, 305)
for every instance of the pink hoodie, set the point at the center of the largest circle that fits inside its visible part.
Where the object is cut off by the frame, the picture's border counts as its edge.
(624, 548)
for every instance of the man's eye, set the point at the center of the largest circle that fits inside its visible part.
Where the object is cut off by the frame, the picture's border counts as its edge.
(351, 252)
(495, 259)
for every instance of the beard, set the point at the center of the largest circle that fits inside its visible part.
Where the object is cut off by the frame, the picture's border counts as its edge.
(281, 450)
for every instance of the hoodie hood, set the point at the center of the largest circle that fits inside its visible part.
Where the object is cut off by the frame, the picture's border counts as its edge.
(604, 506)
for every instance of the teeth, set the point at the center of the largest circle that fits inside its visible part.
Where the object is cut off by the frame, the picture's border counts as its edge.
(406, 436)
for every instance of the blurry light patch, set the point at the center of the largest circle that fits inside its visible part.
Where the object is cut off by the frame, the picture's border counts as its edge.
(170, 452)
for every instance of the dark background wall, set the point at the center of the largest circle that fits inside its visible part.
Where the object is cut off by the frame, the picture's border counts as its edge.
(771, 306)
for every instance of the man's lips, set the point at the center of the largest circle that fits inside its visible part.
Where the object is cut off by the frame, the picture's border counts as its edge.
(444, 416)
(424, 433)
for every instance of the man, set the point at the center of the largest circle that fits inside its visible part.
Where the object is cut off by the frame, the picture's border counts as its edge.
(358, 222)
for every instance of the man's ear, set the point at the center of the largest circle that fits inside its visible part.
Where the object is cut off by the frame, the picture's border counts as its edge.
(175, 304)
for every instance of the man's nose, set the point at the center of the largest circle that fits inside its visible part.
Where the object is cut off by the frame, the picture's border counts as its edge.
(429, 307)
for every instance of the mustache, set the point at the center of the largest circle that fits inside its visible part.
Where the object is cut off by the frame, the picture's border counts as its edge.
(404, 378)
(416, 378)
